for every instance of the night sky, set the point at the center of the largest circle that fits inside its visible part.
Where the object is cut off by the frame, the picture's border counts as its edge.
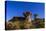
(16, 8)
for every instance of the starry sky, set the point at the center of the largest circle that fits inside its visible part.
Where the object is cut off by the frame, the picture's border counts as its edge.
(16, 8)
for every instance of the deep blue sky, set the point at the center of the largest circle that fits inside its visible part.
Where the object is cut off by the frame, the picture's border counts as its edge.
(15, 8)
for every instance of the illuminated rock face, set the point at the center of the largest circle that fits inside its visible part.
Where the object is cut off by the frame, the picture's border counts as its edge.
(28, 23)
(28, 16)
